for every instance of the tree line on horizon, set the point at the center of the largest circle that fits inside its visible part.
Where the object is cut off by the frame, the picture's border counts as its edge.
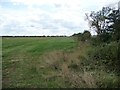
(38, 36)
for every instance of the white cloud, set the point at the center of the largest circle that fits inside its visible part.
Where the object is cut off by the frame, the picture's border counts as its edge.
(46, 17)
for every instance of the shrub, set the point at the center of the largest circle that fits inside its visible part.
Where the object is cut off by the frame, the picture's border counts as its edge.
(106, 55)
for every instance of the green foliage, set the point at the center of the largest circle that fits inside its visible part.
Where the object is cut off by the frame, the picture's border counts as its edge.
(107, 39)
(77, 37)
(103, 61)
(106, 23)
(86, 36)
(107, 80)
(97, 19)
(106, 55)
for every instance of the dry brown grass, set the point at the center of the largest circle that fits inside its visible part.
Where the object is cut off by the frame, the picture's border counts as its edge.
(89, 80)
(60, 61)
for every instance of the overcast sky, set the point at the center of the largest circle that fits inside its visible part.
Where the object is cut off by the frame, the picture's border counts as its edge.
(46, 17)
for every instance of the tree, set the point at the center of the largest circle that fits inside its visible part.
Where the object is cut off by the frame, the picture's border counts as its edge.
(114, 27)
(106, 23)
(77, 36)
(86, 35)
(97, 20)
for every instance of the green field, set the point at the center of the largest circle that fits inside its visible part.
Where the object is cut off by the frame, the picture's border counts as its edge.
(29, 62)
(53, 62)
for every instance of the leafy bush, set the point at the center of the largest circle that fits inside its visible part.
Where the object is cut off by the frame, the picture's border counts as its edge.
(106, 55)
(106, 80)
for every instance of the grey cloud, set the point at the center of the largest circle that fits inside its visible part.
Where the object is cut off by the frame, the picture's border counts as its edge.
(69, 25)
(12, 27)
(45, 24)
(53, 25)
(57, 5)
